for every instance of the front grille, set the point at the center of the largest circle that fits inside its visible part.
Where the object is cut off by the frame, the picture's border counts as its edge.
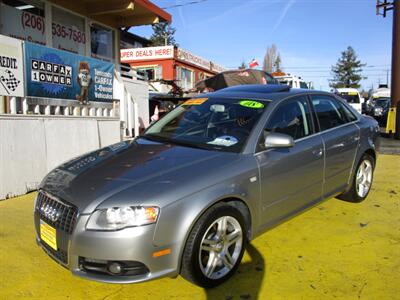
(59, 255)
(67, 212)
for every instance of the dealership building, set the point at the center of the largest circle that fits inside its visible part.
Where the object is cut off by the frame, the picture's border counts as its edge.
(170, 63)
(62, 90)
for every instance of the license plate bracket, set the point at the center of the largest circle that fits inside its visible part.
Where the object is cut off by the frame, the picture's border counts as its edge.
(48, 234)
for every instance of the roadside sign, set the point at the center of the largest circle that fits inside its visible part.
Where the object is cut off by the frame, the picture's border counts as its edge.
(11, 67)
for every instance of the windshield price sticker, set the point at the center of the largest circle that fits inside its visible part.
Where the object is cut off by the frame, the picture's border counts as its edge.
(251, 104)
(196, 101)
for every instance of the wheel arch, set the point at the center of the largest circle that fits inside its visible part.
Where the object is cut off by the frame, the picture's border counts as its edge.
(234, 201)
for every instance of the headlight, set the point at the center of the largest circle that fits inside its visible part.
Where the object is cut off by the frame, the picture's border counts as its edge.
(120, 217)
(378, 111)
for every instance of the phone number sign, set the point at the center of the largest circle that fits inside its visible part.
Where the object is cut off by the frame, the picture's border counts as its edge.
(31, 28)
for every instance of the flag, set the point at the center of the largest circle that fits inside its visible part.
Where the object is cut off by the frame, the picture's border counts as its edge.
(10, 83)
(253, 63)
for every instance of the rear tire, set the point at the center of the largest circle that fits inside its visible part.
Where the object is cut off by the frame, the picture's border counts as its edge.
(362, 180)
(215, 246)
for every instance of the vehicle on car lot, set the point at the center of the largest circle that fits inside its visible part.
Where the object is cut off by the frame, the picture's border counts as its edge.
(211, 175)
(292, 80)
(352, 96)
(381, 110)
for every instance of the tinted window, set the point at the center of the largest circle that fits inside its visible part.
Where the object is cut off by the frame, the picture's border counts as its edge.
(349, 114)
(351, 97)
(303, 85)
(329, 112)
(292, 117)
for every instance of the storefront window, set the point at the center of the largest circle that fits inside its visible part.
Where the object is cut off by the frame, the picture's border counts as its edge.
(150, 73)
(68, 31)
(102, 42)
(185, 78)
(23, 20)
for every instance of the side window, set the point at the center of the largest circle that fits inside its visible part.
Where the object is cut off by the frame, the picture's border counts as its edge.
(349, 114)
(292, 117)
(329, 112)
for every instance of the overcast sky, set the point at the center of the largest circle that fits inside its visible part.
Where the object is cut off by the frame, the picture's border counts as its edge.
(309, 34)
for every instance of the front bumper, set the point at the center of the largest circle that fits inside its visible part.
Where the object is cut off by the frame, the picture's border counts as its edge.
(134, 245)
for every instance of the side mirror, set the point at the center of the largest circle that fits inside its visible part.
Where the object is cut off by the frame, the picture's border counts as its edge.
(278, 140)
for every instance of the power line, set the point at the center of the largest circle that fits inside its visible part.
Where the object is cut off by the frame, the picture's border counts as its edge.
(184, 4)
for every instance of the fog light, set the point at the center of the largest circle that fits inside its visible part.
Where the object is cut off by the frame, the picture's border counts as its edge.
(115, 268)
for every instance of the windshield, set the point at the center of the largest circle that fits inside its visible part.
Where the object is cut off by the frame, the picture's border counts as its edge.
(351, 97)
(303, 85)
(382, 102)
(209, 123)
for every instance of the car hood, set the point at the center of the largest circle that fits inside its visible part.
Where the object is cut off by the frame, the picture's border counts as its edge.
(142, 167)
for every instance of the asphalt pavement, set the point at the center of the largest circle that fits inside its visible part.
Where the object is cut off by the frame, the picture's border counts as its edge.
(389, 145)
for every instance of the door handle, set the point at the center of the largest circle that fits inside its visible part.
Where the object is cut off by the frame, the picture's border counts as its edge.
(317, 153)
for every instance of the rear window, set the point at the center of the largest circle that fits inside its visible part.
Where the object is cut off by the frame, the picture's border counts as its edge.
(350, 97)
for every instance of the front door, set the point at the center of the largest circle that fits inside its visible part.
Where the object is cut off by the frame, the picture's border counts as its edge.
(291, 178)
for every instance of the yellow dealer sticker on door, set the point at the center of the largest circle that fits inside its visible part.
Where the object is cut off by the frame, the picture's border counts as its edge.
(251, 104)
(195, 101)
(48, 235)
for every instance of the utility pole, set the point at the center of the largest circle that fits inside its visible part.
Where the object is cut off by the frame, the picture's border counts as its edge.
(393, 124)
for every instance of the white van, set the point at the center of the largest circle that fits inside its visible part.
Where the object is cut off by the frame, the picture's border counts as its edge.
(352, 96)
(292, 81)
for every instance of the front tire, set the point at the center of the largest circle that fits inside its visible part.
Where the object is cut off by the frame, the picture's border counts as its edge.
(215, 246)
(362, 180)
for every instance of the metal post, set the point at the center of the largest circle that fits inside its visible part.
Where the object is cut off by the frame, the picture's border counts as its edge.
(395, 86)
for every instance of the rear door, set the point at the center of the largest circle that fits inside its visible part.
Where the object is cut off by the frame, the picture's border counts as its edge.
(341, 136)
(291, 178)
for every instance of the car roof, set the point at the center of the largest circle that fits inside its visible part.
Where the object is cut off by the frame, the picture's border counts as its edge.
(270, 92)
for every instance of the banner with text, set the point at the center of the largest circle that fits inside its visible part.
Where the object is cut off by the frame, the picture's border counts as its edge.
(53, 73)
(11, 67)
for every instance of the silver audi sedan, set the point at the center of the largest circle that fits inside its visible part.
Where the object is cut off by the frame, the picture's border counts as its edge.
(210, 176)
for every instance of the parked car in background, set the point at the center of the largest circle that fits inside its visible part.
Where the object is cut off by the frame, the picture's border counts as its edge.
(210, 176)
(291, 80)
(381, 110)
(374, 96)
(352, 96)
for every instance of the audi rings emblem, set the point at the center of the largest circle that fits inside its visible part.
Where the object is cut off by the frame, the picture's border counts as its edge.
(51, 213)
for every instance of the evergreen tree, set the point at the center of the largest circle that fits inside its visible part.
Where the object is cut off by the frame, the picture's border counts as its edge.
(347, 71)
(278, 63)
(163, 35)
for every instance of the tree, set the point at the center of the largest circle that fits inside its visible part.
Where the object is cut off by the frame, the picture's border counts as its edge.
(347, 71)
(277, 63)
(163, 35)
(272, 60)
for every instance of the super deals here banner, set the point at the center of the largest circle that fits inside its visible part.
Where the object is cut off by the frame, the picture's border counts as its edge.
(53, 73)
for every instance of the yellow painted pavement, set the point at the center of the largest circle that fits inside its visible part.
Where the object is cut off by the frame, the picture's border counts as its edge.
(336, 250)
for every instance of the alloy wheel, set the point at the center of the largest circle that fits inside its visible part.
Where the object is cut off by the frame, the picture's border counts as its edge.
(220, 247)
(364, 178)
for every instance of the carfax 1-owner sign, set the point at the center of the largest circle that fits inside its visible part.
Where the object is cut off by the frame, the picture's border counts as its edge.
(53, 73)
(11, 67)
